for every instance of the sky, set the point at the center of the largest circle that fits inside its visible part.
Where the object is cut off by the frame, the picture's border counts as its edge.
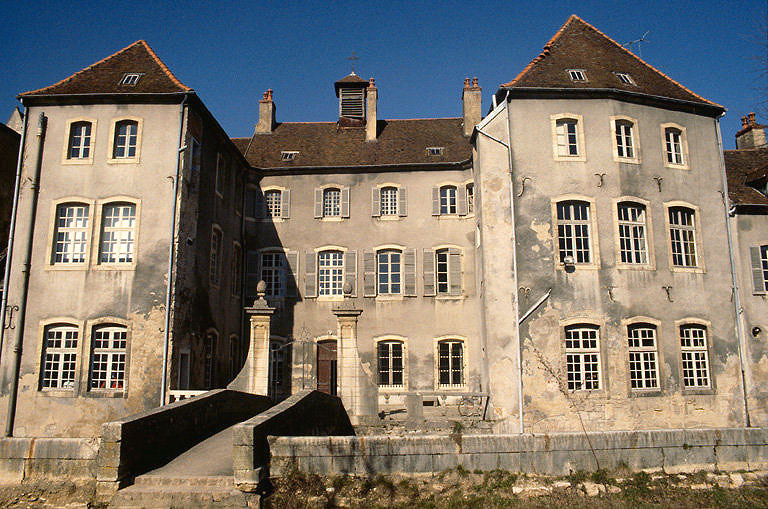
(418, 52)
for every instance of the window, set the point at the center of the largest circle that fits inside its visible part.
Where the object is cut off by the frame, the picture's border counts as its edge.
(220, 175)
(695, 357)
(625, 78)
(131, 79)
(450, 364)
(448, 200)
(577, 74)
(79, 140)
(288, 155)
(573, 235)
(330, 272)
(236, 272)
(109, 345)
(389, 272)
(331, 202)
(117, 233)
(276, 366)
(273, 201)
(268, 203)
(390, 363)
(442, 272)
(759, 260)
(209, 366)
(126, 135)
(215, 258)
(632, 233)
(625, 146)
(470, 198)
(643, 363)
(582, 357)
(59, 357)
(389, 201)
(71, 239)
(567, 137)
(674, 146)
(273, 273)
(682, 232)
(435, 151)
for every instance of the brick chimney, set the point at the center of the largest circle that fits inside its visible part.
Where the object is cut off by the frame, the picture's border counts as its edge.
(471, 98)
(266, 122)
(752, 134)
(371, 96)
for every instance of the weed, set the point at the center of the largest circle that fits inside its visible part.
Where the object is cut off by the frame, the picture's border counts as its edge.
(577, 477)
(601, 477)
(463, 472)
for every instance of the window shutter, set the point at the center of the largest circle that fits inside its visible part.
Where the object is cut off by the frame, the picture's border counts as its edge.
(318, 203)
(310, 277)
(259, 207)
(429, 272)
(252, 274)
(369, 273)
(409, 272)
(285, 204)
(454, 271)
(292, 276)
(758, 282)
(375, 202)
(435, 201)
(344, 202)
(402, 202)
(350, 270)
(462, 198)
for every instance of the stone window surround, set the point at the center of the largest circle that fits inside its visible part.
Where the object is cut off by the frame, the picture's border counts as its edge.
(331, 298)
(683, 146)
(602, 392)
(404, 341)
(283, 203)
(582, 155)
(286, 268)
(660, 364)
(183, 350)
(97, 228)
(700, 267)
(464, 367)
(390, 217)
(67, 133)
(341, 188)
(214, 357)
(593, 234)
(706, 324)
(125, 160)
(91, 325)
(391, 247)
(460, 190)
(635, 159)
(466, 184)
(650, 245)
(447, 296)
(74, 200)
(216, 283)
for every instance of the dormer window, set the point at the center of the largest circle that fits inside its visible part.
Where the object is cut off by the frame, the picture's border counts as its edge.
(288, 155)
(577, 74)
(435, 151)
(130, 79)
(624, 78)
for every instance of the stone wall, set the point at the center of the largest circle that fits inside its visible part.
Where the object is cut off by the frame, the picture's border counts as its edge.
(54, 458)
(553, 454)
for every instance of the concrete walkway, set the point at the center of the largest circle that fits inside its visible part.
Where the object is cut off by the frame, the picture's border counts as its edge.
(210, 458)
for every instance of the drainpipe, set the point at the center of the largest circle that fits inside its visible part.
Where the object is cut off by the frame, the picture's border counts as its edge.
(34, 187)
(734, 278)
(171, 253)
(11, 234)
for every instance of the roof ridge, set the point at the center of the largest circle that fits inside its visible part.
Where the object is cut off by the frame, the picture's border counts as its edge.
(162, 65)
(544, 50)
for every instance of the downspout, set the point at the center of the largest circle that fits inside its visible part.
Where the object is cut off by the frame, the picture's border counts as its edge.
(12, 230)
(171, 253)
(34, 187)
(243, 260)
(734, 278)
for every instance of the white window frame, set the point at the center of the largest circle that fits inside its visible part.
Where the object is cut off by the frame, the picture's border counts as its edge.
(335, 288)
(276, 273)
(624, 78)
(577, 75)
(683, 146)
(695, 230)
(65, 158)
(591, 222)
(84, 232)
(331, 210)
(462, 385)
(578, 120)
(390, 341)
(650, 263)
(389, 198)
(131, 79)
(389, 274)
(209, 358)
(113, 138)
(450, 204)
(215, 256)
(115, 356)
(643, 359)
(122, 233)
(583, 358)
(69, 386)
(692, 356)
(470, 197)
(634, 137)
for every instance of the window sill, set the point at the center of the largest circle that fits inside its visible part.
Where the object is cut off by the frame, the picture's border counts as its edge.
(452, 388)
(330, 298)
(115, 266)
(677, 166)
(76, 162)
(332, 219)
(59, 393)
(626, 160)
(634, 266)
(645, 393)
(441, 217)
(123, 160)
(106, 393)
(576, 158)
(67, 266)
(391, 388)
(389, 298)
(389, 218)
(690, 270)
(579, 267)
(704, 391)
(449, 297)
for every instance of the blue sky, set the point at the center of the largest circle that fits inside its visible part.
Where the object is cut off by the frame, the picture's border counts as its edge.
(418, 52)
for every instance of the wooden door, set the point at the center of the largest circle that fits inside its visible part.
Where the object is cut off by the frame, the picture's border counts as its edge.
(326, 367)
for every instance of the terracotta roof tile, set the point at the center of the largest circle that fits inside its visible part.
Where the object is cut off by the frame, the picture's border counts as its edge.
(104, 76)
(742, 166)
(579, 45)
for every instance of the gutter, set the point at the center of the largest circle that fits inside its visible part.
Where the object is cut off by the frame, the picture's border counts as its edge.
(280, 170)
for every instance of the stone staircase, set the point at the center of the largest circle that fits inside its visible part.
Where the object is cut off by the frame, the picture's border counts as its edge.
(160, 491)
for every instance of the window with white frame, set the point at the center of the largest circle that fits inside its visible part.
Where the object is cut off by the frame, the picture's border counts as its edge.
(126, 137)
(79, 140)
(624, 78)
(236, 272)
(389, 201)
(450, 367)
(59, 357)
(215, 257)
(577, 74)
(71, 239)
(442, 272)
(273, 265)
(330, 273)
(567, 137)
(331, 202)
(643, 353)
(625, 142)
(633, 246)
(109, 346)
(582, 357)
(682, 232)
(673, 138)
(758, 256)
(118, 228)
(695, 356)
(448, 202)
(389, 270)
(209, 360)
(273, 201)
(470, 198)
(573, 231)
(390, 363)
(131, 79)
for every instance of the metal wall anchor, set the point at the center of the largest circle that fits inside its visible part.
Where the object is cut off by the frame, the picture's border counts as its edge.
(668, 289)
(601, 175)
(522, 184)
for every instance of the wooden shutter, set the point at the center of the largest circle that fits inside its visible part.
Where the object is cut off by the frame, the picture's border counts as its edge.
(435, 201)
(409, 272)
(350, 270)
(429, 272)
(758, 280)
(375, 202)
(344, 202)
(250, 202)
(285, 204)
(454, 271)
(292, 274)
(259, 207)
(310, 275)
(461, 191)
(402, 202)
(318, 203)
(369, 273)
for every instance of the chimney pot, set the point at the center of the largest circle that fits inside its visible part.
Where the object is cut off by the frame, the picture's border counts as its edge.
(471, 99)
(466, 82)
(744, 122)
(266, 123)
(474, 82)
(752, 118)
(371, 83)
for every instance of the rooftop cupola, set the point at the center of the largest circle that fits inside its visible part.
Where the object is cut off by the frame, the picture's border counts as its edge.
(351, 93)
(752, 134)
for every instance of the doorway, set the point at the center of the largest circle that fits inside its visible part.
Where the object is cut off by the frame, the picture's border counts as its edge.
(326, 366)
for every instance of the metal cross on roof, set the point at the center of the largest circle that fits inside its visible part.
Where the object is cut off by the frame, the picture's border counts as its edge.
(352, 59)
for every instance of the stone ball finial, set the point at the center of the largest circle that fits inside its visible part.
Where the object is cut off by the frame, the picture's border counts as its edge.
(347, 289)
(261, 288)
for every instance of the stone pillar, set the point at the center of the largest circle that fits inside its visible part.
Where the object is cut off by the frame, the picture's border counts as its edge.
(254, 377)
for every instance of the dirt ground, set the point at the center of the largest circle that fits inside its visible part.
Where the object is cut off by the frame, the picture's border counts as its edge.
(48, 494)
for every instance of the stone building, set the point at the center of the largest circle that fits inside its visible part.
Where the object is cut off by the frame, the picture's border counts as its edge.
(9, 152)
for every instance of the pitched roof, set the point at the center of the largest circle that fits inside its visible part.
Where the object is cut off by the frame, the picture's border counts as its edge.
(742, 166)
(104, 76)
(325, 144)
(579, 45)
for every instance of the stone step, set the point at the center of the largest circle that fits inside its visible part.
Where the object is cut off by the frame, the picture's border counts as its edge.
(179, 496)
(224, 481)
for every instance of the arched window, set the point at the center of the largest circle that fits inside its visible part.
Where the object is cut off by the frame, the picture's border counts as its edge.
(71, 238)
(126, 137)
(79, 140)
(331, 202)
(643, 353)
(682, 232)
(674, 145)
(450, 363)
(59, 357)
(330, 272)
(625, 142)
(389, 201)
(695, 356)
(448, 204)
(582, 357)
(109, 344)
(390, 363)
(573, 231)
(567, 137)
(389, 270)
(633, 245)
(118, 230)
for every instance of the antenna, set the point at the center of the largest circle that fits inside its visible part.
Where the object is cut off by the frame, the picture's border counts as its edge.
(638, 42)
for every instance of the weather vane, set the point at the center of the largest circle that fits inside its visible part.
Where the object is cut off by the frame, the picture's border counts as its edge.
(352, 61)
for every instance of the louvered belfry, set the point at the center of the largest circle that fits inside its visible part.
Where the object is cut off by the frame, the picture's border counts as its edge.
(351, 93)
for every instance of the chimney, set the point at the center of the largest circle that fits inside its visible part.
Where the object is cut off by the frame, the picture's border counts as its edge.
(266, 114)
(472, 101)
(752, 134)
(371, 96)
